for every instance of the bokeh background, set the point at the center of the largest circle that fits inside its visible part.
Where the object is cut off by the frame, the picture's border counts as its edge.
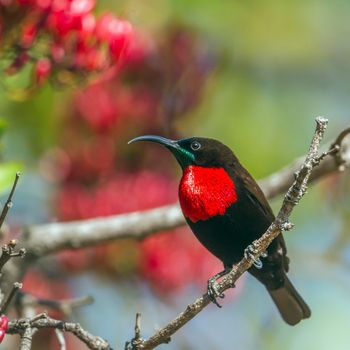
(253, 74)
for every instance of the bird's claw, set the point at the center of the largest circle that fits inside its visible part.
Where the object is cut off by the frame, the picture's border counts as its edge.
(249, 253)
(214, 293)
(264, 254)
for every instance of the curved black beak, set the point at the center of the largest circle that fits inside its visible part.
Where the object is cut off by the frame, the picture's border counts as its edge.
(158, 139)
(183, 156)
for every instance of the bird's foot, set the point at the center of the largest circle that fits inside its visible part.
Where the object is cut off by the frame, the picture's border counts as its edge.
(264, 254)
(250, 252)
(212, 286)
(213, 291)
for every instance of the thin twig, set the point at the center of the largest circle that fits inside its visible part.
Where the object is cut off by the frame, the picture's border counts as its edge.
(9, 203)
(279, 182)
(50, 238)
(292, 198)
(135, 342)
(45, 239)
(338, 141)
(7, 300)
(44, 321)
(138, 327)
(8, 252)
(66, 305)
(337, 144)
(60, 339)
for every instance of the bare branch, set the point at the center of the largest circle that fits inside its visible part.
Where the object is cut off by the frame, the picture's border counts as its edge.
(49, 238)
(9, 203)
(66, 305)
(280, 181)
(292, 198)
(8, 252)
(41, 321)
(26, 339)
(340, 156)
(138, 327)
(60, 338)
(46, 239)
(137, 341)
(7, 300)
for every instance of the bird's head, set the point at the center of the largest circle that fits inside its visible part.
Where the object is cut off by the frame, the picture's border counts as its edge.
(198, 151)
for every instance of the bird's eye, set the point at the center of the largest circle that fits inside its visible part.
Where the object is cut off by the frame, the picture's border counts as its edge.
(195, 145)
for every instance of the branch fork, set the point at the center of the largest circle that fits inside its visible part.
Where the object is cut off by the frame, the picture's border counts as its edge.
(50, 238)
(27, 326)
(294, 194)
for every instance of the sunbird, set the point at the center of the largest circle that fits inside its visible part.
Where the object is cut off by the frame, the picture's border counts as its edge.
(226, 210)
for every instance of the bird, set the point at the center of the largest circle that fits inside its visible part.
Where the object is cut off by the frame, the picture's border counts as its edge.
(226, 210)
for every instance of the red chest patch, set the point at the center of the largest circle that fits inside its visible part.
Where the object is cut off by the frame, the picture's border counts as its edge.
(205, 192)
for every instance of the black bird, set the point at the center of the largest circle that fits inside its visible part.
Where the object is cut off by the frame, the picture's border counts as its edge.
(227, 211)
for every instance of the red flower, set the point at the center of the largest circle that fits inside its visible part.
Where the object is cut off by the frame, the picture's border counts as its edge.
(116, 32)
(42, 70)
(106, 178)
(3, 326)
(97, 107)
(28, 35)
(42, 287)
(81, 7)
(88, 25)
(62, 23)
(174, 260)
(72, 39)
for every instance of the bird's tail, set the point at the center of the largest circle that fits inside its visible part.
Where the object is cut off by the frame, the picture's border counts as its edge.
(289, 303)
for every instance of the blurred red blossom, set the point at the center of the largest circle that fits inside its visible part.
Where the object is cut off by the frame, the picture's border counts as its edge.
(174, 260)
(122, 193)
(77, 202)
(62, 39)
(42, 70)
(3, 326)
(36, 283)
(45, 287)
(158, 81)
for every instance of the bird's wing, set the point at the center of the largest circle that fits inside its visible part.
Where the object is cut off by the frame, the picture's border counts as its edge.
(257, 197)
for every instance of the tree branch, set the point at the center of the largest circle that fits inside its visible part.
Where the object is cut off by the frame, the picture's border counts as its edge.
(280, 181)
(60, 339)
(66, 306)
(26, 339)
(8, 252)
(137, 341)
(25, 327)
(49, 238)
(46, 239)
(7, 300)
(291, 199)
(9, 203)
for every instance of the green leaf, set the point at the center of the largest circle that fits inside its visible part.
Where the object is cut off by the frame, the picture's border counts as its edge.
(7, 174)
